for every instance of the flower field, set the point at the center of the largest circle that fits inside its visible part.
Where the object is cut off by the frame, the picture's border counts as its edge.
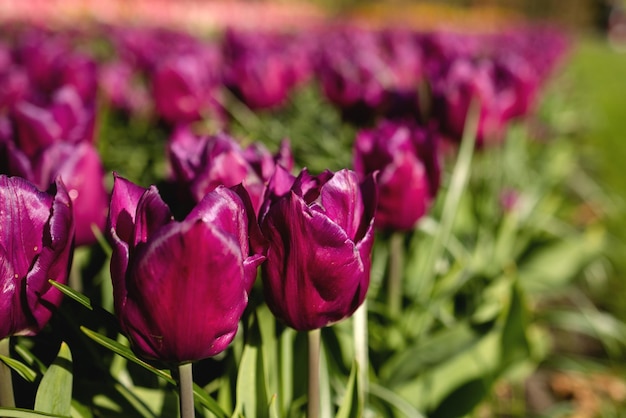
(332, 220)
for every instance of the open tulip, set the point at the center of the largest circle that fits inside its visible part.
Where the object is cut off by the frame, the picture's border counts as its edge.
(36, 233)
(320, 236)
(180, 288)
(406, 156)
(200, 163)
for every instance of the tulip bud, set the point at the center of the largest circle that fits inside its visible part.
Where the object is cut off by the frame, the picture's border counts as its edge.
(407, 159)
(320, 237)
(36, 232)
(180, 288)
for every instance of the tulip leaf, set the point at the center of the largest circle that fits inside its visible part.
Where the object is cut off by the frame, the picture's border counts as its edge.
(54, 394)
(73, 294)
(199, 394)
(20, 368)
(125, 352)
(351, 406)
(26, 413)
(252, 402)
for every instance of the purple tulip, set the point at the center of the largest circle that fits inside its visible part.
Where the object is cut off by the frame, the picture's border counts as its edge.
(180, 288)
(186, 87)
(466, 81)
(406, 157)
(36, 231)
(320, 235)
(263, 68)
(65, 119)
(79, 166)
(201, 163)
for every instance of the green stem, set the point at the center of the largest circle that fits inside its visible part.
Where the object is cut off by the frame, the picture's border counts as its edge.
(185, 386)
(361, 350)
(313, 407)
(6, 383)
(396, 267)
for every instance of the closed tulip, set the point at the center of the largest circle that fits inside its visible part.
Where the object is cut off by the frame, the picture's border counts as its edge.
(36, 232)
(407, 159)
(180, 287)
(320, 236)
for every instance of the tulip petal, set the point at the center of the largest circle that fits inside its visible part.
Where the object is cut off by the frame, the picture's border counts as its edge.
(54, 260)
(152, 213)
(123, 207)
(24, 210)
(341, 200)
(190, 309)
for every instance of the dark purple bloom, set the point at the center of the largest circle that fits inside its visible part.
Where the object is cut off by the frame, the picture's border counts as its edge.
(320, 235)
(79, 166)
(180, 288)
(409, 174)
(201, 163)
(36, 232)
(65, 119)
(468, 81)
(186, 87)
(263, 68)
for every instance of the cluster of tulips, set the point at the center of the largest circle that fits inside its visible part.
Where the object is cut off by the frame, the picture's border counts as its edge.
(183, 265)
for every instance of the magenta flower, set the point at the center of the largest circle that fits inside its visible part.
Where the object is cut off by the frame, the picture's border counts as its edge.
(320, 235)
(201, 163)
(453, 92)
(180, 288)
(406, 157)
(65, 119)
(36, 232)
(79, 166)
(186, 87)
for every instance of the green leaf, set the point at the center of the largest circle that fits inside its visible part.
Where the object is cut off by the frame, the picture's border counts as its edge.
(20, 368)
(465, 398)
(428, 353)
(126, 352)
(395, 401)
(351, 405)
(515, 345)
(71, 293)
(252, 387)
(54, 394)
(199, 394)
(26, 413)
(556, 265)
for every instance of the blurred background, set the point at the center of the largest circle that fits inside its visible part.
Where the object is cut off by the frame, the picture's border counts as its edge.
(594, 82)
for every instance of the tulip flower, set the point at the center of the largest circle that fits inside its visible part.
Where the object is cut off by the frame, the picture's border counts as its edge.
(66, 119)
(320, 236)
(36, 233)
(82, 168)
(180, 287)
(466, 81)
(201, 163)
(186, 87)
(407, 159)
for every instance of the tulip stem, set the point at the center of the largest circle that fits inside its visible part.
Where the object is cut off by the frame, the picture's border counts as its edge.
(313, 407)
(361, 350)
(396, 267)
(7, 398)
(185, 386)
